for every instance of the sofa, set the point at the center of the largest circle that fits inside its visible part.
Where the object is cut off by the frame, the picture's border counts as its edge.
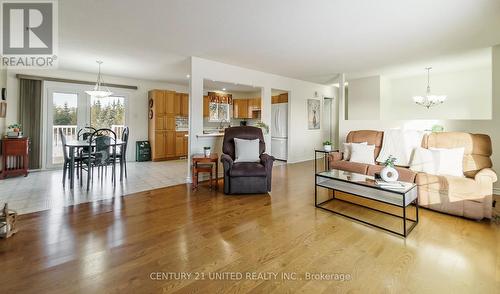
(246, 177)
(469, 196)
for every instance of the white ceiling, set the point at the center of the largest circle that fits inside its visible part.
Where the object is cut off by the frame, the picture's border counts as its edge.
(210, 85)
(310, 40)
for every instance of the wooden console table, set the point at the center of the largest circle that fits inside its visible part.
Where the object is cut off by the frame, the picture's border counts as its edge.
(14, 157)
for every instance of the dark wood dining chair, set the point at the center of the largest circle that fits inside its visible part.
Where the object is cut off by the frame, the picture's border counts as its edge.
(102, 144)
(67, 160)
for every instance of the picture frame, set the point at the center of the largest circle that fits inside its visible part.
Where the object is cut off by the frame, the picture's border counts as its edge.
(313, 114)
(3, 109)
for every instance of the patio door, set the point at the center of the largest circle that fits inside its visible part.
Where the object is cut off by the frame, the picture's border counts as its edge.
(66, 112)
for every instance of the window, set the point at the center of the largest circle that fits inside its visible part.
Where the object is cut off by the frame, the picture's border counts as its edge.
(218, 112)
(108, 112)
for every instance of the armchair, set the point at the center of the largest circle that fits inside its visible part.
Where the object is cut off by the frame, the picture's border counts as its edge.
(245, 177)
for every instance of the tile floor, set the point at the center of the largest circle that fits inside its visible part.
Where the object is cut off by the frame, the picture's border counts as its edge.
(44, 190)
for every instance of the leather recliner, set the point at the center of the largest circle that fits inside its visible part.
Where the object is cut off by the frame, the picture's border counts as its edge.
(245, 177)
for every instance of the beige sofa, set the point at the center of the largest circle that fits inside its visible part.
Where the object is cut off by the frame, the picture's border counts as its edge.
(470, 196)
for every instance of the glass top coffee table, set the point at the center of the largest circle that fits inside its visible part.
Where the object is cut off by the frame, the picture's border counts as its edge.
(365, 187)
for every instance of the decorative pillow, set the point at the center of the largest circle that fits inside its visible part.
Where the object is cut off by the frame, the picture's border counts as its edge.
(439, 161)
(450, 161)
(424, 161)
(246, 150)
(347, 149)
(362, 153)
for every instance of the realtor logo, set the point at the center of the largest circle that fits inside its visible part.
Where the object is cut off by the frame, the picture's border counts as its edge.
(29, 33)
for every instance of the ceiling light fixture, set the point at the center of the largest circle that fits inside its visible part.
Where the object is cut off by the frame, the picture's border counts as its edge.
(223, 89)
(188, 76)
(99, 90)
(428, 100)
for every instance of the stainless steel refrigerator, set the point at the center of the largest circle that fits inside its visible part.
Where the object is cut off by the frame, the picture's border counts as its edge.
(279, 131)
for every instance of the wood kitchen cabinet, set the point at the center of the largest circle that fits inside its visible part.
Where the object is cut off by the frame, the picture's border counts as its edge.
(246, 108)
(240, 108)
(281, 98)
(206, 101)
(184, 105)
(181, 140)
(164, 107)
(181, 104)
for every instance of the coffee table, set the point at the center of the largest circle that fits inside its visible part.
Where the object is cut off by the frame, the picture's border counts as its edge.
(364, 186)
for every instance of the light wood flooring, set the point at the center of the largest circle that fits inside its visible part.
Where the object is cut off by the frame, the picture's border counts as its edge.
(117, 245)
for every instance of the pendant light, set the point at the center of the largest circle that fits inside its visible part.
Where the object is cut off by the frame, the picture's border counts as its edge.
(428, 100)
(99, 90)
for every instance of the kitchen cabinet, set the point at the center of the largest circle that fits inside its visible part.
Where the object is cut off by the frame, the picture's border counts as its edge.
(240, 108)
(181, 146)
(254, 107)
(247, 108)
(164, 106)
(184, 105)
(282, 98)
(181, 104)
(205, 106)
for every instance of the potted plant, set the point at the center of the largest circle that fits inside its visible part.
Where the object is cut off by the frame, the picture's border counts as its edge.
(327, 146)
(389, 173)
(263, 126)
(207, 151)
(15, 130)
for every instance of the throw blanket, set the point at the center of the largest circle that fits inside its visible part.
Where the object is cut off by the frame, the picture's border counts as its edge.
(400, 144)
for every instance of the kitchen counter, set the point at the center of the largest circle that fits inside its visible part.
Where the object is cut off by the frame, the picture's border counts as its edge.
(211, 135)
(181, 130)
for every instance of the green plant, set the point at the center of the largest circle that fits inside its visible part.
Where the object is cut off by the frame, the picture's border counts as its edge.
(207, 148)
(390, 161)
(263, 126)
(15, 126)
(327, 143)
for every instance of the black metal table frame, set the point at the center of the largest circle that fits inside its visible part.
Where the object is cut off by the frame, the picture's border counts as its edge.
(325, 158)
(406, 231)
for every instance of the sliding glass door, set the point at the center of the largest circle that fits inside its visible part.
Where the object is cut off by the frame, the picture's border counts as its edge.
(69, 108)
(65, 114)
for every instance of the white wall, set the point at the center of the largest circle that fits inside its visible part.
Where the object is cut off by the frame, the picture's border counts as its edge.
(137, 99)
(364, 98)
(301, 141)
(489, 127)
(468, 95)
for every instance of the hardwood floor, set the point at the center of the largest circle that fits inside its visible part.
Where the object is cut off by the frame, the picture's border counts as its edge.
(117, 245)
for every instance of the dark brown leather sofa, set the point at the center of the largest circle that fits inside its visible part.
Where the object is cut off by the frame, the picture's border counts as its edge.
(245, 177)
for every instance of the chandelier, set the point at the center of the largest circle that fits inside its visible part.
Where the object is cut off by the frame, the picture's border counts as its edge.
(99, 90)
(428, 100)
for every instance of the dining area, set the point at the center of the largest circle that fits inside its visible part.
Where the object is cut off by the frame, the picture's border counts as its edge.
(91, 153)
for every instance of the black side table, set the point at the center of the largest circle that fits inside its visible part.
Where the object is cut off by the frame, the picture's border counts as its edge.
(325, 156)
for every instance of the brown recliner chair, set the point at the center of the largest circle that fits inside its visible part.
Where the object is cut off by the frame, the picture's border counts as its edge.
(245, 177)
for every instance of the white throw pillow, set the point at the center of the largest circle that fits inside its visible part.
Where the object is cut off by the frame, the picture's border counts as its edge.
(362, 153)
(439, 161)
(246, 150)
(347, 149)
(450, 161)
(424, 161)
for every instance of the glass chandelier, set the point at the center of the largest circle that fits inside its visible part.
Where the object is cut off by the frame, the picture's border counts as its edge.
(428, 100)
(99, 90)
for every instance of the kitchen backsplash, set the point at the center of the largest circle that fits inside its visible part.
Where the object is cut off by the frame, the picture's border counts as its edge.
(181, 122)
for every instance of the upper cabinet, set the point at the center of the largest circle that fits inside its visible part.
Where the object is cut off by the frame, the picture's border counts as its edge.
(247, 108)
(206, 112)
(282, 98)
(181, 104)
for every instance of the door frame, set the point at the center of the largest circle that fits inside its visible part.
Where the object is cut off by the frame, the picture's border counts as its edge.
(83, 105)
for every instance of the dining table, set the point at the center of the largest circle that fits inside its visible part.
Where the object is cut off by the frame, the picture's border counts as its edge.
(75, 145)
